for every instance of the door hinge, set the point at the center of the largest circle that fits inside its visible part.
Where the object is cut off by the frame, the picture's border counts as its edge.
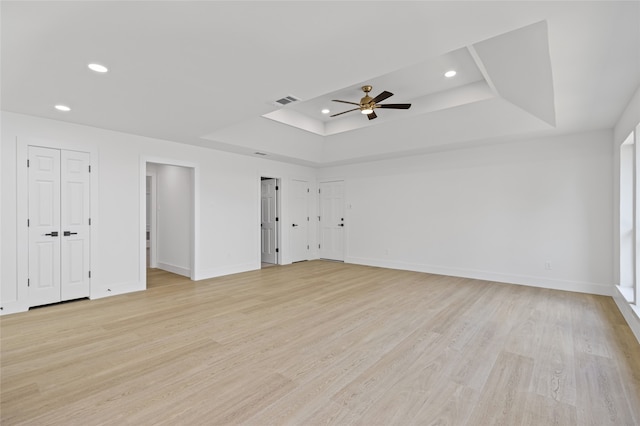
(307, 246)
(318, 190)
(277, 187)
(89, 274)
(307, 189)
(89, 168)
(277, 250)
(28, 223)
(89, 221)
(277, 219)
(28, 282)
(318, 245)
(27, 162)
(307, 218)
(318, 218)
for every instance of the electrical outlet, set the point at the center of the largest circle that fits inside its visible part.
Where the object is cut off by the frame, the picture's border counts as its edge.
(547, 265)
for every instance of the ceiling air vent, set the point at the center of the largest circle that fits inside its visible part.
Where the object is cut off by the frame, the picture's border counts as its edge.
(286, 100)
(259, 153)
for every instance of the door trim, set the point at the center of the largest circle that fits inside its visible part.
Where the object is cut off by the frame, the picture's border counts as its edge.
(195, 213)
(21, 302)
(153, 237)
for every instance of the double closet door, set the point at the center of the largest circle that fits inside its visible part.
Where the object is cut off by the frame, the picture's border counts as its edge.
(59, 225)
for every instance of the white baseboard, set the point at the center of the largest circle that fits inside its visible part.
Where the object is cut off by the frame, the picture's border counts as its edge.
(542, 282)
(225, 270)
(13, 308)
(185, 272)
(96, 293)
(630, 313)
(115, 289)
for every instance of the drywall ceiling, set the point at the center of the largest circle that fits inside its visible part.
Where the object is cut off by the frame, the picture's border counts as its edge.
(207, 73)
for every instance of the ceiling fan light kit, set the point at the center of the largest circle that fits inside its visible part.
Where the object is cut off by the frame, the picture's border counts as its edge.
(368, 104)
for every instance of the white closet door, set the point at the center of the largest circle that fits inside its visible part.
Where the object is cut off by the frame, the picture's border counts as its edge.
(299, 220)
(44, 226)
(75, 207)
(59, 204)
(332, 220)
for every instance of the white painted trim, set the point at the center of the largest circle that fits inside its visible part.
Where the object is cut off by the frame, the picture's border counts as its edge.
(153, 231)
(532, 281)
(116, 289)
(226, 270)
(631, 313)
(195, 225)
(13, 308)
(22, 211)
(174, 269)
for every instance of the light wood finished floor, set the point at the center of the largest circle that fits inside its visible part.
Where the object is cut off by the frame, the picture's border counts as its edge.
(323, 343)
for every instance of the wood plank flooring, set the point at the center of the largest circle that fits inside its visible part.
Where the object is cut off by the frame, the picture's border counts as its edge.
(322, 343)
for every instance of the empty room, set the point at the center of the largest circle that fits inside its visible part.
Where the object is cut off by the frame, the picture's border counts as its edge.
(311, 212)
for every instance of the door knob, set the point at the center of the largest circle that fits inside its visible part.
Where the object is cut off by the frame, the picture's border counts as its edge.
(52, 234)
(294, 224)
(67, 233)
(341, 224)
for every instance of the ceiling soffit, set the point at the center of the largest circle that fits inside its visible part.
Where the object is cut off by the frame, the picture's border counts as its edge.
(514, 65)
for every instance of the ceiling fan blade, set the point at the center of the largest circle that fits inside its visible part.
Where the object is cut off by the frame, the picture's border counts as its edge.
(382, 96)
(372, 115)
(344, 112)
(395, 106)
(345, 102)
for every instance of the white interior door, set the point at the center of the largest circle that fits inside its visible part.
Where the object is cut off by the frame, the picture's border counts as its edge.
(299, 220)
(74, 208)
(44, 225)
(332, 220)
(59, 204)
(268, 220)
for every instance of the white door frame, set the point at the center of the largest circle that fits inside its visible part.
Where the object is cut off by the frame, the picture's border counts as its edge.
(195, 213)
(153, 228)
(21, 302)
(282, 250)
(278, 216)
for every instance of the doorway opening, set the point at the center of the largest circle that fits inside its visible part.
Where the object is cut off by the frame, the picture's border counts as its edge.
(269, 221)
(168, 241)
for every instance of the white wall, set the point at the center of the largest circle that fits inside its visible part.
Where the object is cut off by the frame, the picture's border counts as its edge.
(228, 193)
(496, 212)
(535, 212)
(174, 215)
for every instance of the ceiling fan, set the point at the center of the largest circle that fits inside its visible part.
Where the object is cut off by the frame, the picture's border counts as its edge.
(368, 104)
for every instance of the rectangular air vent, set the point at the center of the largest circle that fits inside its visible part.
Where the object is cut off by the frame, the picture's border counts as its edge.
(286, 100)
(259, 153)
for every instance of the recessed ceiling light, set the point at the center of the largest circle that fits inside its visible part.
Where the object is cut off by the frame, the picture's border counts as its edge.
(63, 108)
(98, 68)
(449, 74)
(325, 111)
